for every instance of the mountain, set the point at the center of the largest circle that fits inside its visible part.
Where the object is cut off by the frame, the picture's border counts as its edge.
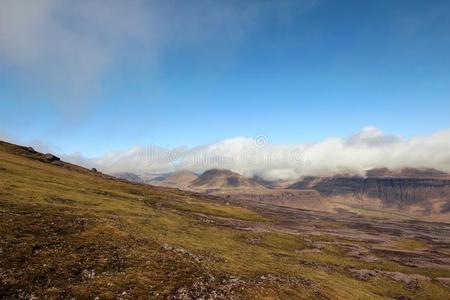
(129, 176)
(223, 179)
(407, 173)
(271, 184)
(154, 178)
(426, 191)
(179, 179)
(419, 192)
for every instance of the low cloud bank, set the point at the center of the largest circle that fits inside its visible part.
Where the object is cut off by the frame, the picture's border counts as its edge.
(368, 148)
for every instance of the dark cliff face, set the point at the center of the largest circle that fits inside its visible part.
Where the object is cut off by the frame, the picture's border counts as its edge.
(333, 186)
(393, 191)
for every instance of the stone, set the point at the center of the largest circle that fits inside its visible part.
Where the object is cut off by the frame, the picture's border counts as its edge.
(30, 149)
(50, 157)
(363, 275)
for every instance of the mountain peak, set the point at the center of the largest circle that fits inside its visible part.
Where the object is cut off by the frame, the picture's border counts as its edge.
(223, 178)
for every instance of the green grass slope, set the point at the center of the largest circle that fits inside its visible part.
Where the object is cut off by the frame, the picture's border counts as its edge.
(67, 232)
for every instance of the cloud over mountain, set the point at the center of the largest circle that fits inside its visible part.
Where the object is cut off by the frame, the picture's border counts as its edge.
(368, 148)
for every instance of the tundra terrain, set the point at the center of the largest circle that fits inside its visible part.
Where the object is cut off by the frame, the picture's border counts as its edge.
(72, 233)
(417, 193)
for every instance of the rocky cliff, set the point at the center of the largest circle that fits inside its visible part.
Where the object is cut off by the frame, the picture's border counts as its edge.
(406, 187)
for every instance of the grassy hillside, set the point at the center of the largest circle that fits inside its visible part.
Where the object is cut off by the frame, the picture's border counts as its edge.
(67, 232)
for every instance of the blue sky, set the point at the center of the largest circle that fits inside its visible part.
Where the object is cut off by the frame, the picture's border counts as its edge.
(198, 73)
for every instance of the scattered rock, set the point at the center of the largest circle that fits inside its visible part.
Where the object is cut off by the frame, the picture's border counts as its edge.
(368, 258)
(207, 221)
(444, 280)
(94, 170)
(88, 274)
(57, 163)
(254, 240)
(318, 265)
(269, 278)
(318, 246)
(363, 275)
(358, 252)
(210, 288)
(30, 149)
(50, 157)
(410, 280)
(60, 200)
(181, 251)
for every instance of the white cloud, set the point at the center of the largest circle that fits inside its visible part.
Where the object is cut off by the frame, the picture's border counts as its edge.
(68, 46)
(368, 148)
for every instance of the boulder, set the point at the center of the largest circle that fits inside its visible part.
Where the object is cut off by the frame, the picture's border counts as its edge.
(30, 149)
(50, 157)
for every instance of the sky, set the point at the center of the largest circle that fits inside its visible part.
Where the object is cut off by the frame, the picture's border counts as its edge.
(97, 79)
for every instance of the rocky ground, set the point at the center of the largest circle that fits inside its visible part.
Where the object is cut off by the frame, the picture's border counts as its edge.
(412, 243)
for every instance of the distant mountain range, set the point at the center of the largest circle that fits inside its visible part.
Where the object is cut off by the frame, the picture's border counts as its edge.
(416, 191)
(209, 180)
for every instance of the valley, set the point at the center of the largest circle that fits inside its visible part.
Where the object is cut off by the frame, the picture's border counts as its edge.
(411, 193)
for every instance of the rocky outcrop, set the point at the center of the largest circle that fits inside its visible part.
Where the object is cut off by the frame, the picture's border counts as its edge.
(405, 187)
(395, 191)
